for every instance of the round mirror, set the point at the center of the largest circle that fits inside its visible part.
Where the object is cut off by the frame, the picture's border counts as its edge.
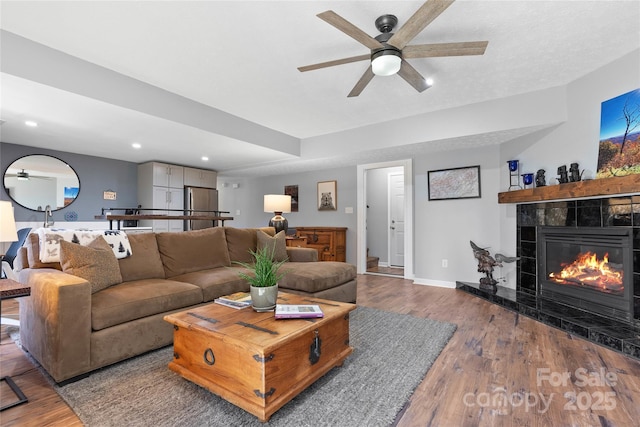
(37, 182)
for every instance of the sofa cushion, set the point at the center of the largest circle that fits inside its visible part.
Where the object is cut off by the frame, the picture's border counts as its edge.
(186, 251)
(33, 254)
(216, 282)
(145, 261)
(128, 301)
(241, 241)
(316, 276)
(277, 245)
(94, 262)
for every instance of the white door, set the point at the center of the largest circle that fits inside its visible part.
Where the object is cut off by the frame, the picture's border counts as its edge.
(396, 220)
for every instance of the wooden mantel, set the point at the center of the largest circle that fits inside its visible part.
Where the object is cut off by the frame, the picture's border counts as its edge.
(596, 187)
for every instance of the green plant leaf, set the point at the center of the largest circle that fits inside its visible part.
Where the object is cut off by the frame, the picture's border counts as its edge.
(264, 271)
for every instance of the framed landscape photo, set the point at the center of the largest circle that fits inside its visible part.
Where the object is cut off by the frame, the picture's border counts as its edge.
(456, 183)
(292, 190)
(619, 148)
(327, 196)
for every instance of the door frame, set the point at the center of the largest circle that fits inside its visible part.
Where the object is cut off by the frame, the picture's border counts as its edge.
(361, 235)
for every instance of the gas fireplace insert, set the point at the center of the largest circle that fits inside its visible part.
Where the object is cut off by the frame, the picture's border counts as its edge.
(590, 268)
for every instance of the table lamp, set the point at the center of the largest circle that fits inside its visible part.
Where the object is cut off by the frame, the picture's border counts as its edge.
(278, 203)
(8, 232)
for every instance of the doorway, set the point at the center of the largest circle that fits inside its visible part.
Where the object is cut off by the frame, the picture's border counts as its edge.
(385, 202)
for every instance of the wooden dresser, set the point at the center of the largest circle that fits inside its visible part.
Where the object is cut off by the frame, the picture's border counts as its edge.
(330, 242)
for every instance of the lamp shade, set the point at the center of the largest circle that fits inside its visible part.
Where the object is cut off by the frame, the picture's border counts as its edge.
(8, 231)
(277, 203)
(386, 62)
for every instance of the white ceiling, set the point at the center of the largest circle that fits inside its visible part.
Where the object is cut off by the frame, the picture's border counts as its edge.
(241, 58)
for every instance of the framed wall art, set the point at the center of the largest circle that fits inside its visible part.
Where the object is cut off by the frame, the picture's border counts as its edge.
(456, 183)
(292, 190)
(327, 196)
(619, 149)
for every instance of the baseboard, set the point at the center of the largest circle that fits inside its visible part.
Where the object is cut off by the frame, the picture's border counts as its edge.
(437, 283)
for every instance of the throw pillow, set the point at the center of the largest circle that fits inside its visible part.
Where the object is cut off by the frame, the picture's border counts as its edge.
(184, 252)
(277, 244)
(95, 262)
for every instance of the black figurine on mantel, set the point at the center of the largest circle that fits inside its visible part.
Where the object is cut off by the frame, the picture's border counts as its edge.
(486, 264)
(541, 181)
(563, 177)
(574, 172)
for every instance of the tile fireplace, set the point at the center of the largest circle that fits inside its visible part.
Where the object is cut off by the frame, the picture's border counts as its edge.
(551, 238)
(578, 269)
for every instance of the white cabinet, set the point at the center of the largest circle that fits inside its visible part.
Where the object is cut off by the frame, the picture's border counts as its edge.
(168, 198)
(161, 186)
(167, 175)
(200, 178)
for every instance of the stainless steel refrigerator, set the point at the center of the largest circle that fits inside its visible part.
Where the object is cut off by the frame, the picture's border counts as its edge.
(200, 201)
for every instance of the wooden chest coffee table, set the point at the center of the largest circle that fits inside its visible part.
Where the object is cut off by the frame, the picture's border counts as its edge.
(254, 361)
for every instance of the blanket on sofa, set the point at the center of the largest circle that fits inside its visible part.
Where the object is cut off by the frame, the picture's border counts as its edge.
(49, 239)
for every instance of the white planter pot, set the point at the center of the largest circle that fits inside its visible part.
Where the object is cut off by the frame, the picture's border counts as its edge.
(264, 299)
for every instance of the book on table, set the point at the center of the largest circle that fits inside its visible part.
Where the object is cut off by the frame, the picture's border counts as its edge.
(236, 300)
(298, 311)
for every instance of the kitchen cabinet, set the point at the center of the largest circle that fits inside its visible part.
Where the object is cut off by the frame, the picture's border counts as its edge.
(161, 186)
(165, 175)
(330, 242)
(200, 178)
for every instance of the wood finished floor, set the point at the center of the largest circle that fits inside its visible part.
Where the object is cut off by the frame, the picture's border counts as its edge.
(494, 353)
(393, 271)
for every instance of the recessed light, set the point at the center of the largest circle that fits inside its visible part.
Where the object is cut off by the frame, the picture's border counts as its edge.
(205, 159)
(136, 145)
(31, 123)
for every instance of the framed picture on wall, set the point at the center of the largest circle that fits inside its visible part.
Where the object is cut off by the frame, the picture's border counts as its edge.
(327, 196)
(457, 183)
(292, 190)
(619, 149)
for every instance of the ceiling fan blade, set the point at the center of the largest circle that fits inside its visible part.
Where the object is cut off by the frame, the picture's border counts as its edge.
(445, 49)
(362, 83)
(413, 77)
(349, 29)
(429, 11)
(334, 62)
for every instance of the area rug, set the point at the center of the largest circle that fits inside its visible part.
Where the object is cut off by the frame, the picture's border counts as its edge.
(392, 354)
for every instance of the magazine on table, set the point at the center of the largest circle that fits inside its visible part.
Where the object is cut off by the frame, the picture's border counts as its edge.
(298, 311)
(236, 300)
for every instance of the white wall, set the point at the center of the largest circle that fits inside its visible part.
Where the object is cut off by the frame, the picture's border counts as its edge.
(443, 228)
(248, 198)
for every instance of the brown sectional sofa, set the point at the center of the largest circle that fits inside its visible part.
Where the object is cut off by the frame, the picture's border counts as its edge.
(72, 332)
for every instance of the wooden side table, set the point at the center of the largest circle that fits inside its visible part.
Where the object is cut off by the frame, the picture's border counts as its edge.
(296, 242)
(12, 289)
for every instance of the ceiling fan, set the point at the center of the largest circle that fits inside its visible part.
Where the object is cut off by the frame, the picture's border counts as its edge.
(26, 176)
(389, 50)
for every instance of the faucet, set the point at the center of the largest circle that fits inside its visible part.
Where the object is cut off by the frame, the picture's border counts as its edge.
(47, 215)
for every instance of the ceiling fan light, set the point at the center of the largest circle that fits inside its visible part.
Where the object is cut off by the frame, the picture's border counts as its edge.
(386, 62)
(22, 176)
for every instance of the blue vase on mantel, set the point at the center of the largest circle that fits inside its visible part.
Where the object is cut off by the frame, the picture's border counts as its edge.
(527, 179)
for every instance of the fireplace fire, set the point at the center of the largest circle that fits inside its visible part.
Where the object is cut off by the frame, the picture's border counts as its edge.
(588, 268)
(589, 271)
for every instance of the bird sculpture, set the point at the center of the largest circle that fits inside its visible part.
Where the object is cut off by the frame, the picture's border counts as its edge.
(486, 264)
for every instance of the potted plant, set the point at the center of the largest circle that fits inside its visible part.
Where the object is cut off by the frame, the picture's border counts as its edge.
(263, 278)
